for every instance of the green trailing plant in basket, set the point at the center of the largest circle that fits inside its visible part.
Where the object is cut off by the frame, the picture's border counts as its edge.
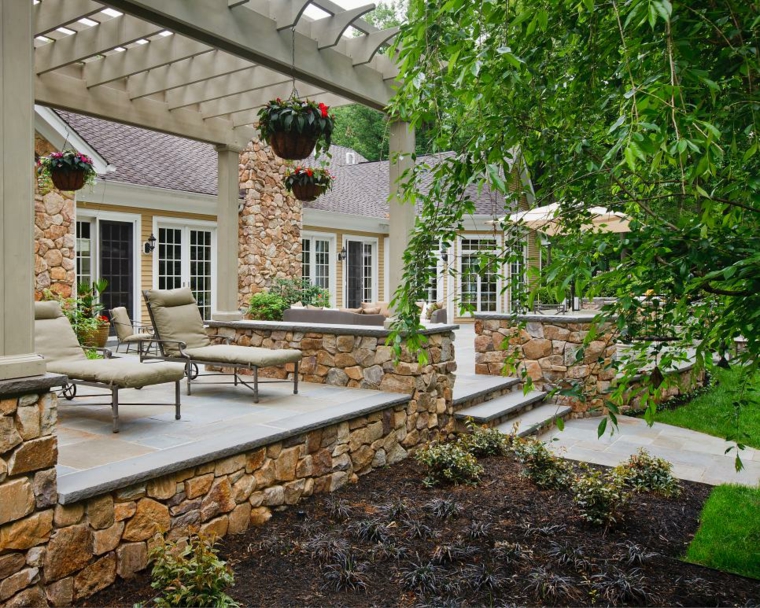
(304, 176)
(297, 117)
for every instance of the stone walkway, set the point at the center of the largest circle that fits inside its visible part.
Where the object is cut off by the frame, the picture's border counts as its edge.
(695, 456)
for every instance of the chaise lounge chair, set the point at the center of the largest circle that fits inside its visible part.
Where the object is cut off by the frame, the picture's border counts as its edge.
(55, 340)
(128, 332)
(181, 336)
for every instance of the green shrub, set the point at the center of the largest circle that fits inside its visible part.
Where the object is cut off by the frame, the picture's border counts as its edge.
(448, 463)
(191, 574)
(541, 466)
(599, 496)
(646, 473)
(267, 306)
(482, 441)
(302, 291)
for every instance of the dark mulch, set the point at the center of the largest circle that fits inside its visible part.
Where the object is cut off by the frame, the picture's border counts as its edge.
(512, 544)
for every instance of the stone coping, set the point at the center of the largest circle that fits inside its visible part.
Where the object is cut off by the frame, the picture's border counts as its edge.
(326, 328)
(577, 316)
(118, 475)
(30, 384)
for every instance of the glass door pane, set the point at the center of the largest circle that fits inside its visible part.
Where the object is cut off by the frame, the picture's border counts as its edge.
(354, 274)
(200, 270)
(117, 264)
(84, 252)
(321, 273)
(169, 258)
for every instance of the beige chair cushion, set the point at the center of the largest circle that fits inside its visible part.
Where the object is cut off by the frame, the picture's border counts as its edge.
(176, 317)
(244, 355)
(54, 338)
(381, 308)
(136, 338)
(119, 372)
(122, 323)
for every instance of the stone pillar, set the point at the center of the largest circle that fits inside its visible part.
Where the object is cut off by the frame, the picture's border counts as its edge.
(28, 486)
(270, 225)
(226, 308)
(402, 144)
(17, 193)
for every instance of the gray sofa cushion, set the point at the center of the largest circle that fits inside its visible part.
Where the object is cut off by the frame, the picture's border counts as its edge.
(331, 317)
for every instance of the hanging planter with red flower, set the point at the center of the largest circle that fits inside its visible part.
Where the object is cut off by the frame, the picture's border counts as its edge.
(293, 127)
(307, 183)
(68, 170)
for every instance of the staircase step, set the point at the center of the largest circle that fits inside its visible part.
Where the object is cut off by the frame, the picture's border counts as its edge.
(469, 387)
(499, 407)
(536, 419)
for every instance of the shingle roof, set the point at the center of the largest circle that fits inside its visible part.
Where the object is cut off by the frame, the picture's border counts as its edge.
(149, 158)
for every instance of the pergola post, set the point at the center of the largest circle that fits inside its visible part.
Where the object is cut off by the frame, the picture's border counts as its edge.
(17, 193)
(402, 144)
(228, 193)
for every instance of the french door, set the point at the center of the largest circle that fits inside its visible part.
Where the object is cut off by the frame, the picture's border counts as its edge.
(186, 258)
(478, 278)
(360, 272)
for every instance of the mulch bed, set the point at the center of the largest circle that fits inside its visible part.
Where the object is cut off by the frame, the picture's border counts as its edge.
(512, 544)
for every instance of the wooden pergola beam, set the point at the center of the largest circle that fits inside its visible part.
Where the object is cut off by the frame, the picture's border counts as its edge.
(52, 14)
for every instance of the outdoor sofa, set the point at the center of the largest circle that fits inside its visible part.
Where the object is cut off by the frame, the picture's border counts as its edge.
(55, 340)
(181, 336)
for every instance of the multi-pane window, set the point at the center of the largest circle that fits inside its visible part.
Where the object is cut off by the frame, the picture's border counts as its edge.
(478, 274)
(316, 261)
(517, 279)
(84, 253)
(367, 283)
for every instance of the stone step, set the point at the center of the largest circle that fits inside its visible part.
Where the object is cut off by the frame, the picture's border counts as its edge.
(500, 407)
(470, 388)
(537, 419)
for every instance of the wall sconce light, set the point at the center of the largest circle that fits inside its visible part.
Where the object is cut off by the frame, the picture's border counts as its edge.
(445, 256)
(342, 254)
(149, 245)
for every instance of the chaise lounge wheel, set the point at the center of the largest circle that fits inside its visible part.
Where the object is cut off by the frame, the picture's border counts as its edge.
(69, 391)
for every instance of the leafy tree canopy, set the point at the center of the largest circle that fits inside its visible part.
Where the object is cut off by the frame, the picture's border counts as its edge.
(649, 107)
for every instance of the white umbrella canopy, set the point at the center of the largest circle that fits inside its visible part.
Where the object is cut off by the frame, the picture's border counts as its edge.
(546, 219)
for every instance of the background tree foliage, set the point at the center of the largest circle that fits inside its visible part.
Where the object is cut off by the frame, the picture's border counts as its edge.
(649, 107)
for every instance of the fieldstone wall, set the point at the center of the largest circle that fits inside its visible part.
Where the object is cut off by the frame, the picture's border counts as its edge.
(54, 234)
(338, 358)
(28, 495)
(270, 223)
(546, 349)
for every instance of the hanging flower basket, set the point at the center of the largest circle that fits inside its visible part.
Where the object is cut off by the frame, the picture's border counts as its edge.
(67, 170)
(294, 127)
(307, 183)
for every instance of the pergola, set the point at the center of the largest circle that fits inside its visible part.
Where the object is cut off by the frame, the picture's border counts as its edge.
(194, 68)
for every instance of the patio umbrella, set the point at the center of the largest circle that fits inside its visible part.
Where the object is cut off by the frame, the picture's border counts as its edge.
(546, 219)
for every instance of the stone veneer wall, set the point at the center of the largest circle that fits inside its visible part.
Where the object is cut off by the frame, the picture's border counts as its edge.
(339, 357)
(28, 494)
(61, 553)
(54, 234)
(546, 349)
(270, 223)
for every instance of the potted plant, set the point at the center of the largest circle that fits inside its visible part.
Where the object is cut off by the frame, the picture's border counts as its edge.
(307, 183)
(68, 170)
(293, 127)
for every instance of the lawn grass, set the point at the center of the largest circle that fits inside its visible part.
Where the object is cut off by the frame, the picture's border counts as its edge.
(729, 533)
(713, 412)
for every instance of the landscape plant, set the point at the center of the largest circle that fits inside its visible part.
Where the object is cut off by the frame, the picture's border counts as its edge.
(448, 463)
(482, 441)
(190, 573)
(304, 291)
(645, 107)
(600, 496)
(643, 472)
(542, 467)
(266, 306)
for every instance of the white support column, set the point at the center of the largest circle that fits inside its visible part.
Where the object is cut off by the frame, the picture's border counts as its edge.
(226, 308)
(17, 193)
(402, 144)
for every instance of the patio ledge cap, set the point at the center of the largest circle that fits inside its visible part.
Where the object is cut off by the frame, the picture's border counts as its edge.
(326, 328)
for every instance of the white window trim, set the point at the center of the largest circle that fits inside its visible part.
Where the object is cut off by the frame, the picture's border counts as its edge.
(387, 295)
(180, 223)
(498, 243)
(363, 239)
(333, 239)
(95, 217)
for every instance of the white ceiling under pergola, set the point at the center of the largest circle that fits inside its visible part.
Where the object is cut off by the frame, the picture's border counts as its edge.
(203, 68)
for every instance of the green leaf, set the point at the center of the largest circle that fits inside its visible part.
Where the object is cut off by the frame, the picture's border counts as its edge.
(601, 428)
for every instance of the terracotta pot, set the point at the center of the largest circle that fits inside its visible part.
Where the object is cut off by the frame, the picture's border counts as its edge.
(98, 337)
(307, 192)
(67, 180)
(292, 146)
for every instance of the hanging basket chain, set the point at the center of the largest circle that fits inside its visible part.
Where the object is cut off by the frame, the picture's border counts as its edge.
(294, 92)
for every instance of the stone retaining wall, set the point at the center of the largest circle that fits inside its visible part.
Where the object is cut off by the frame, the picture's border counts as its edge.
(546, 349)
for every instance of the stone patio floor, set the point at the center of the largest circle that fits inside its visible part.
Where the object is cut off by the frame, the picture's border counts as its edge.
(695, 456)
